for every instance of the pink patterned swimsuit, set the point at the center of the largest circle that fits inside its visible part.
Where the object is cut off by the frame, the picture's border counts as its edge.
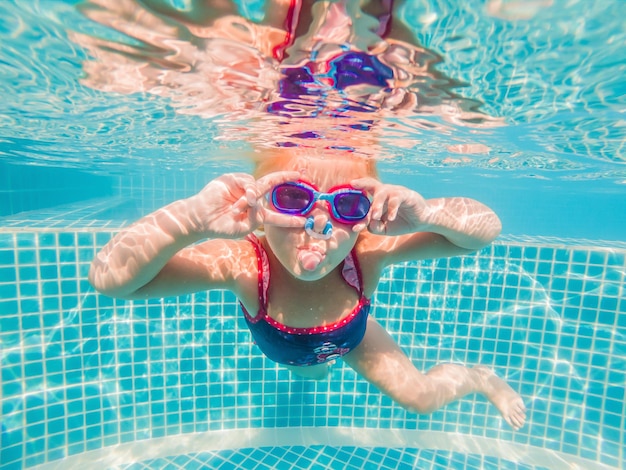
(307, 346)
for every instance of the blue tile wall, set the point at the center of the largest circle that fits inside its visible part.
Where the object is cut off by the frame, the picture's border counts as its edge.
(32, 187)
(66, 198)
(155, 189)
(81, 371)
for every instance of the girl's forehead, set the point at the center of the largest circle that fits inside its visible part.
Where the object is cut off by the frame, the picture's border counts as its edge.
(326, 173)
(323, 167)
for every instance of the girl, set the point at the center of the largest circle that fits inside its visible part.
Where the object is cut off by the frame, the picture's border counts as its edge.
(330, 227)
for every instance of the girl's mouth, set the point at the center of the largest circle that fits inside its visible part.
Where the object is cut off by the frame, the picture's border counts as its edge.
(310, 257)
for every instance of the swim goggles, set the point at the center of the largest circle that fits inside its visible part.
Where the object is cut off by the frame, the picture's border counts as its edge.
(347, 205)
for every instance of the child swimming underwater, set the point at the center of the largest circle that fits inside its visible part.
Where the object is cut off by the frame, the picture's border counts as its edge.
(330, 227)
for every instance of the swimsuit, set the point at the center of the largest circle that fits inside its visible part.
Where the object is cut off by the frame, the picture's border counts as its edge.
(307, 346)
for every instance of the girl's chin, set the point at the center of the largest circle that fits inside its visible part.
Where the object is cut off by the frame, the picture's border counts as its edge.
(299, 272)
(308, 275)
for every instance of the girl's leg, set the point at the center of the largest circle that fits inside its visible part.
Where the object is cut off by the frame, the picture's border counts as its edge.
(380, 361)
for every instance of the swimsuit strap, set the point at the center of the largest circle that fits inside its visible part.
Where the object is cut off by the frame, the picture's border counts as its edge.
(263, 266)
(351, 272)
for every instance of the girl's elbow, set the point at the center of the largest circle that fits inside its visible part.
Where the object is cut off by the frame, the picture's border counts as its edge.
(93, 277)
(496, 229)
(97, 280)
(489, 229)
(116, 293)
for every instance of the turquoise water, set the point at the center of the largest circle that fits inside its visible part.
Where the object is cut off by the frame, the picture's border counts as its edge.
(88, 381)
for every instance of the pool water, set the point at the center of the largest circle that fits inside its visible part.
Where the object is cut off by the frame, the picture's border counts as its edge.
(89, 381)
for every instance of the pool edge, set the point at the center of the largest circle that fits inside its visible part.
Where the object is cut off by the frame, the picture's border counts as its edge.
(328, 436)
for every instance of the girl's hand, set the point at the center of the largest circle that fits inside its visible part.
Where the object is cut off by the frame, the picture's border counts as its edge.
(232, 205)
(395, 210)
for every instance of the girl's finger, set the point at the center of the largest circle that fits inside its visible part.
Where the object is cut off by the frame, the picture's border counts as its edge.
(271, 217)
(356, 228)
(266, 183)
(251, 195)
(378, 205)
(377, 227)
(393, 205)
(240, 205)
(368, 184)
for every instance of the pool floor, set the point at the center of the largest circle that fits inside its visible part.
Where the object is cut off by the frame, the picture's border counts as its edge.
(327, 457)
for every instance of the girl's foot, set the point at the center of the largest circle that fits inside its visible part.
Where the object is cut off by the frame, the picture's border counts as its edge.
(503, 397)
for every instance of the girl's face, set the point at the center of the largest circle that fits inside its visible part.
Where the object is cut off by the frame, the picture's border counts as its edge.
(305, 256)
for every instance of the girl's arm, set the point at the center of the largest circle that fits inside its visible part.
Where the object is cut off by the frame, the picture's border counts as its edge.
(415, 228)
(137, 254)
(153, 257)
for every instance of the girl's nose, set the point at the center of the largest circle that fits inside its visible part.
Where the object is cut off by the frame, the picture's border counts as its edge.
(319, 226)
(320, 220)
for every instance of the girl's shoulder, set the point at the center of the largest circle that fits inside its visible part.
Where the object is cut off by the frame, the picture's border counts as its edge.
(235, 262)
(234, 255)
(371, 260)
(371, 247)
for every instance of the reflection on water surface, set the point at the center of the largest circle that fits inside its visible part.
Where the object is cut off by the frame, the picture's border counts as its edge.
(531, 87)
